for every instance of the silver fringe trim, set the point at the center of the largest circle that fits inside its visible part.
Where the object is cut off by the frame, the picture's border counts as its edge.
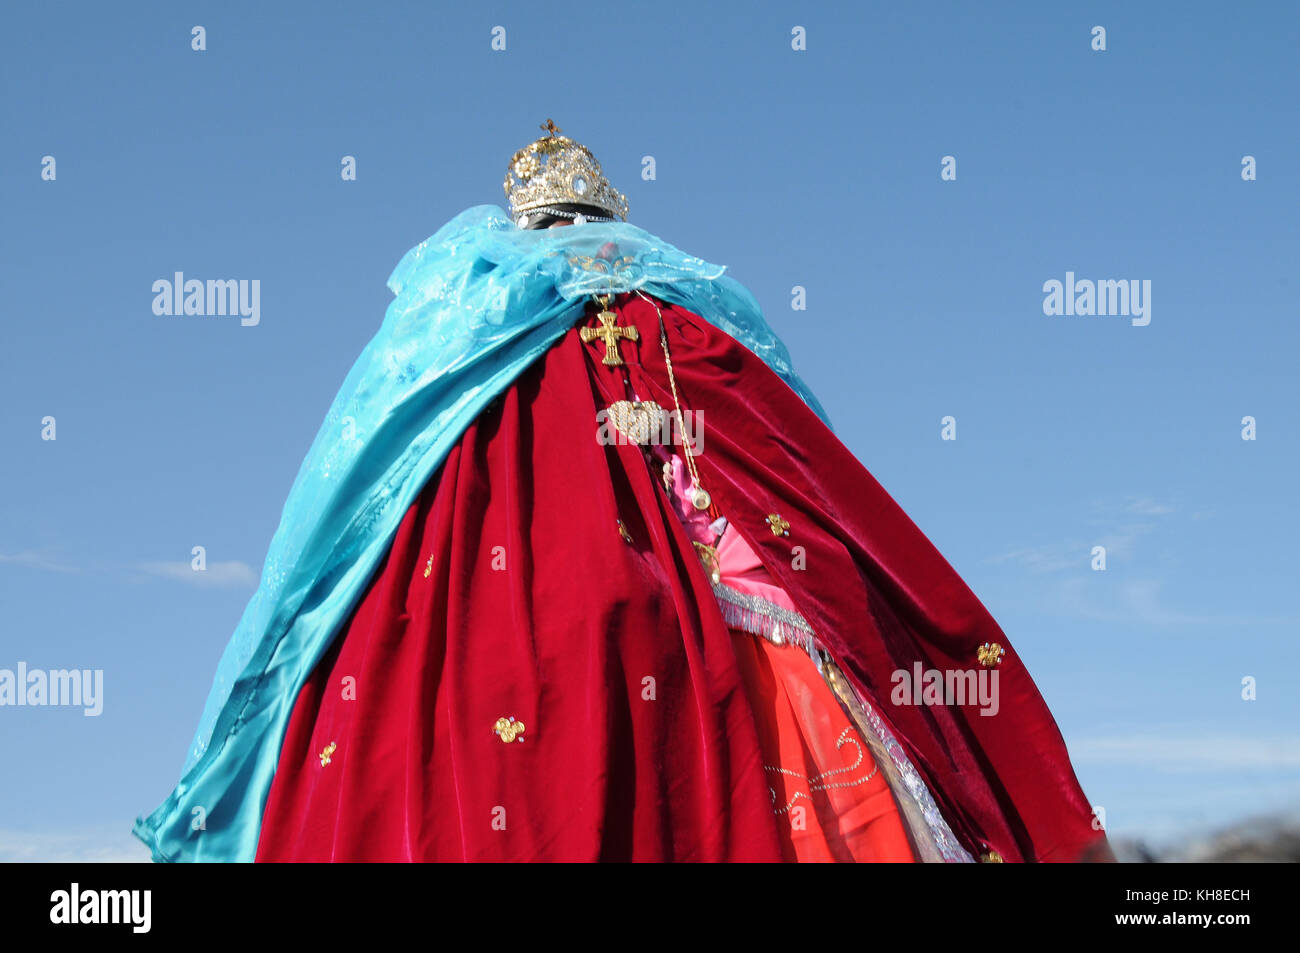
(758, 616)
(781, 626)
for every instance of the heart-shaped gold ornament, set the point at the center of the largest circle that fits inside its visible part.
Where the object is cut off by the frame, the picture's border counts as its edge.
(640, 421)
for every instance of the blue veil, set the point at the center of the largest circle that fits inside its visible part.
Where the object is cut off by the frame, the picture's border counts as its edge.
(475, 305)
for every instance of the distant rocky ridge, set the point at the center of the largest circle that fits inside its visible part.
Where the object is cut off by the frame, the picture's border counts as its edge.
(1263, 840)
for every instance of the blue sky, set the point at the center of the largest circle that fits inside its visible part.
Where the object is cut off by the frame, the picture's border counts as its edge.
(818, 168)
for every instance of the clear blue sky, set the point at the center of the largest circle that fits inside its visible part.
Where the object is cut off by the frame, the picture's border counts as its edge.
(818, 168)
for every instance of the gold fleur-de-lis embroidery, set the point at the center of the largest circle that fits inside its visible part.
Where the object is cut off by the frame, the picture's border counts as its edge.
(329, 750)
(508, 729)
(990, 654)
(991, 857)
(428, 567)
(778, 526)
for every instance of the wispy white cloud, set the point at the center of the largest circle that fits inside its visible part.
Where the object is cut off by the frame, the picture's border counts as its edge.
(33, 560)
(1146, 507)
(1044, 558)
(1098, 597)
(1138, 601)
(1120, 526)
(232, 573)
(96, 846)
(1120, 543)
(217, 574)
(1200, 752)
(1117, 509)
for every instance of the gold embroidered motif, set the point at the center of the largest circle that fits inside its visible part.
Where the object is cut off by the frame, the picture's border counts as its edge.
(991, 857)
(428, 567)
(604, 266)
(622, 531)
(610, 333)
(778, 526)
(325, 755)
(819, 782)
(508, 729)
(990, 654)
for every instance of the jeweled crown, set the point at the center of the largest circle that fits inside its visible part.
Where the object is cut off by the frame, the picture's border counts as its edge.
(556, 170)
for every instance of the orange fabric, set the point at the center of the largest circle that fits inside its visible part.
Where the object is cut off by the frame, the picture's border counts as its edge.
(831, 803)
(826, 810)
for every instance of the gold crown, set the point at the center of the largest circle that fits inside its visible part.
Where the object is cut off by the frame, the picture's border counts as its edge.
(556, 170)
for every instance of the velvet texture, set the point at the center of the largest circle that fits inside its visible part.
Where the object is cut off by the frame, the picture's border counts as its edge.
(476, 304)
(509, 591)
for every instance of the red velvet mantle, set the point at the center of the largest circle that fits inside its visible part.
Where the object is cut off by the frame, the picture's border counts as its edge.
(509, 591)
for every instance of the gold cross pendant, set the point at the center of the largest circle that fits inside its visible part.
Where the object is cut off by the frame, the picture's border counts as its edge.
(610, 333)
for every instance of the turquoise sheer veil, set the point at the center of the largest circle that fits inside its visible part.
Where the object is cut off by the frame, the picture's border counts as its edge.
(474, 306)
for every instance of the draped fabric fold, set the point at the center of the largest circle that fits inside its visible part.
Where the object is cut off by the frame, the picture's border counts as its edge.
(475, 305)
(510, 593)
(417, 471)
(546, 579)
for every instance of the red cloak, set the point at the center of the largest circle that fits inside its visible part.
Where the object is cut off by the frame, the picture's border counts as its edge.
(510, 591)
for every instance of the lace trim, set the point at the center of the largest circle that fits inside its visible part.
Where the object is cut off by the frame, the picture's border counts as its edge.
(780, 626)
